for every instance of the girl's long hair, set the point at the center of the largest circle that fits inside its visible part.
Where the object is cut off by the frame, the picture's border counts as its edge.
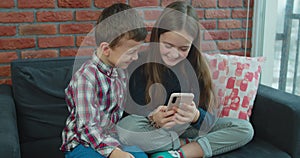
(179, 16)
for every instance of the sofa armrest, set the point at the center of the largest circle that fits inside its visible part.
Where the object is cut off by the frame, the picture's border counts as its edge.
(9, 144)
(276, 119)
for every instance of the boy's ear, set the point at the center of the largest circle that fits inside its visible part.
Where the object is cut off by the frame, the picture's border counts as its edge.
(104, 48)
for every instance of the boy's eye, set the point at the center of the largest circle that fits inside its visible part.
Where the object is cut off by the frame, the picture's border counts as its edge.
(168, 45)
(132, 52)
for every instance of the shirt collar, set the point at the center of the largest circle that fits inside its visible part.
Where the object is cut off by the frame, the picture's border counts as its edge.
(107, 69)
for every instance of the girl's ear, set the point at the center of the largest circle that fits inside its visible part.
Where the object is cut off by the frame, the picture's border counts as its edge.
(104, 48)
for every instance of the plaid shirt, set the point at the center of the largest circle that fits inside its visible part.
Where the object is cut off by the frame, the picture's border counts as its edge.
(95, 101)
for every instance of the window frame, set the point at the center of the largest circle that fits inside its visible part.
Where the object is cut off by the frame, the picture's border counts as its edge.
(264, 35)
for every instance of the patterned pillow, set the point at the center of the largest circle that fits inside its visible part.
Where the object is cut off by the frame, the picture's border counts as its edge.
(235, 80)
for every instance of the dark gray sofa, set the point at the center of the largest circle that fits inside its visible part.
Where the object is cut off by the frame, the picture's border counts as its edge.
(33, 113)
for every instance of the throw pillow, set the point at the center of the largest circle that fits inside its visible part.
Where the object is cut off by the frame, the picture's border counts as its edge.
(235, 80)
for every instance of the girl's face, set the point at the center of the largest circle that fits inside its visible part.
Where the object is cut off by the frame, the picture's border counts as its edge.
(174, 46)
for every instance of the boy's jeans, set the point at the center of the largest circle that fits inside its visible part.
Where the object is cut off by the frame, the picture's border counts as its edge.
(87, 152)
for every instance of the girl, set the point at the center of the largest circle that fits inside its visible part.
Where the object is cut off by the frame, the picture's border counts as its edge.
(174, 64)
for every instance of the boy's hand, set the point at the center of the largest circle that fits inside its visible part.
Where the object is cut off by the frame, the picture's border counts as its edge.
(186, 114)
(117, 153)
(163, 117)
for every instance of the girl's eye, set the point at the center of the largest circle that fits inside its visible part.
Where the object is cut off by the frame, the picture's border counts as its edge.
(184, 49)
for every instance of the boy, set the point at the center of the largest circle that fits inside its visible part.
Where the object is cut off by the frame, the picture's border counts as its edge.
(95, 94)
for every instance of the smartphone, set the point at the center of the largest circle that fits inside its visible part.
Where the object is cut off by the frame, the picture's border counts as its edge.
(177, 98)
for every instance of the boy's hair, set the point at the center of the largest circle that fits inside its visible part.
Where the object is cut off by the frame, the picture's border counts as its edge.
(118, 21)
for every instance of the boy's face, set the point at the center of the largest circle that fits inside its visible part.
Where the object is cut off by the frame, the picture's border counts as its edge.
(124, 53)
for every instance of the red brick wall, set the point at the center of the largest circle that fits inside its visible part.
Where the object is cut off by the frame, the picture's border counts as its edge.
(56, 28)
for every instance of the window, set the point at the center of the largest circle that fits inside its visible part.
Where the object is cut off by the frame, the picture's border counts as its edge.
(276, 35)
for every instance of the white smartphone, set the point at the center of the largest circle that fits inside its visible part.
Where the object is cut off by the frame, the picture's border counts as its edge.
(177, 98)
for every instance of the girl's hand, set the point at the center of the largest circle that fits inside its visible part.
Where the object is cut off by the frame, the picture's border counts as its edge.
(117, 153)
(186, 114)
(163, 117)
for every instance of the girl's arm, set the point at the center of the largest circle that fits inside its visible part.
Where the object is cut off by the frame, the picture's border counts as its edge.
(161, 117)
(198, 122)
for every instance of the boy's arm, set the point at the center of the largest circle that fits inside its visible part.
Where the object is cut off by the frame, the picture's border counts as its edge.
(90, 118)
(117, 153)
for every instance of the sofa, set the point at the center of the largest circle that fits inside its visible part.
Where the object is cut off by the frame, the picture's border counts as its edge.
(33, 113)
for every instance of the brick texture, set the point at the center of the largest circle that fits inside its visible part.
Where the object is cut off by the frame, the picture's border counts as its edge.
(208, 46)
(104, 4)
(58, 28)
(251, 3)
(216, 35)
(50, 16)
(36, 4)
(85, 41)
(52, 42)
(7, 57)
(167, 2)
(241, 13)
(37, 29)
(240, 34)
(86, 15)
(5, 71)
(16, 43)
(200, 13)
(39, 54)
(15, 17)
(244, 23)
(246, 45)
(74, 3)
(6, 81)
(143, 3)
(208, 24)
(7, 30)
(230, 24)
(230, 45)
(230, 3)
(75, 28)
(76, 52)
(68, 52)
(217, 13)
(204, 3)
(7, 3)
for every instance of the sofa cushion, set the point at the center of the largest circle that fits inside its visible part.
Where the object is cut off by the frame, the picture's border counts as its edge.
(276, 119)
(235, 80)
(38, 87)
(256, 148)
(9, 144)
(46, 148)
